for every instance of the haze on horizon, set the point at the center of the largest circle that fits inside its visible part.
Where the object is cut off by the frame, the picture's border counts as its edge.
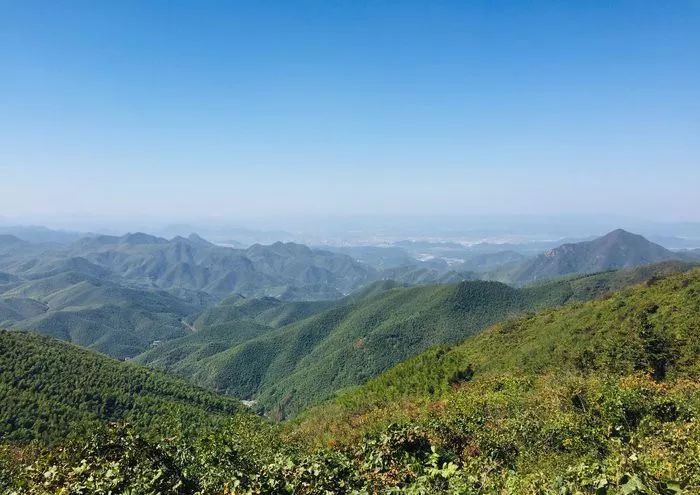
(170, 112)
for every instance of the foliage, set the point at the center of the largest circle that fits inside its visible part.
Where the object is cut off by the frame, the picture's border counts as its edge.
(49, 388)
(297, 365)
(509, 435)
(564, 401)
(640, 329)
(94, 312)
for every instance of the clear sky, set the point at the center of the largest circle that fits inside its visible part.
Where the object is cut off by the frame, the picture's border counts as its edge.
(183, 110)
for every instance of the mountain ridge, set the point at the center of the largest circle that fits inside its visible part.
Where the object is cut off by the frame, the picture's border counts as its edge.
(614, 250)
(653, 320)
(290, 367)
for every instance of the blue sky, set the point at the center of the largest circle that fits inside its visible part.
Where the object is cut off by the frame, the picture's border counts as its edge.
(234, 110)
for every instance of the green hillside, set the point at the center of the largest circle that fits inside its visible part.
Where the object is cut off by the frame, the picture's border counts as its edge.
(235, 321)
(302, 363)
(265, 311)
(651, 329)
(598, 397)
(119, 321)
(49, 389)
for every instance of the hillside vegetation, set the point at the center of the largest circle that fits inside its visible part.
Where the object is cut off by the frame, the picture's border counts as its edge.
(291, 367)
(100, 314)
(599, 397)
(651, 330)
(49, 389)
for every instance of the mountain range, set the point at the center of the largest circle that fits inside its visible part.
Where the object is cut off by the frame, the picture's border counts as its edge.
(122, 295)
(186, 266)
(286, 368)
(119, 295)
(590, 397)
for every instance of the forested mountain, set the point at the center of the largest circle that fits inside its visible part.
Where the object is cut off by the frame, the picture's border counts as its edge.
(617, 249)
(121, 295)
(288, 368)
(594, 384)
(648, 329)
(192, 264)
(80, 306)
(595, 397)
(195, 264)
(266, 311)
(49, 389)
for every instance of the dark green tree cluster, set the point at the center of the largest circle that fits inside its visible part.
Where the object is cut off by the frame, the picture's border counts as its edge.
(49, 388)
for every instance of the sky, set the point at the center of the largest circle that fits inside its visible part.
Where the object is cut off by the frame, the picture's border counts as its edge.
(178, 111)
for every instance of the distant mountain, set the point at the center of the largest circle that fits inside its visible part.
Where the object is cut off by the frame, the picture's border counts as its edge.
(182, 264)
(617, 249)
(49, 389)
(237, 237)
(286, 270)
(8, 241)
(40, 235)
(123, 294)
